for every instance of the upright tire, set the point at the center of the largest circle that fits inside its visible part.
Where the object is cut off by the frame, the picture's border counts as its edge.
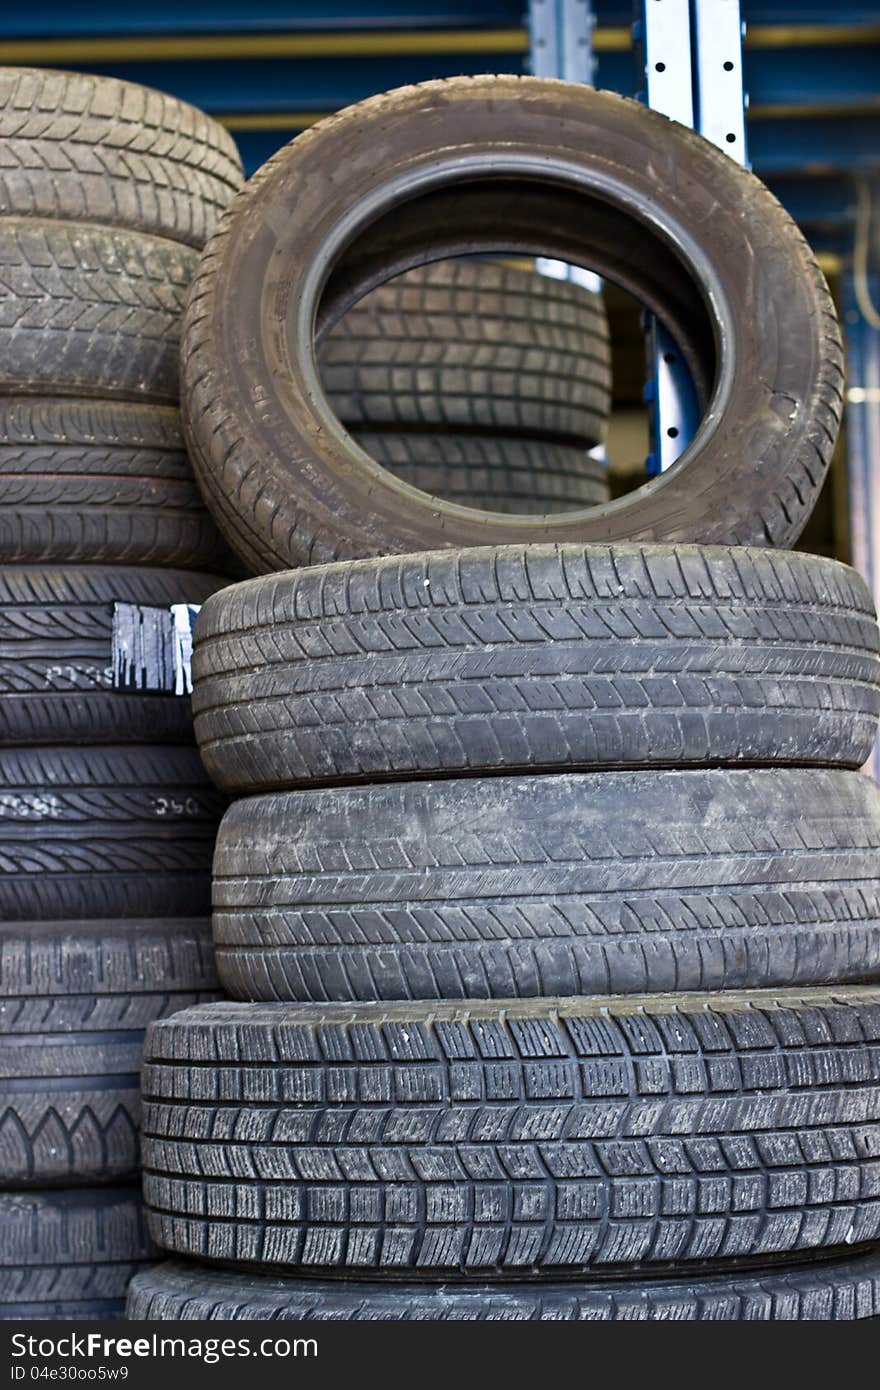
(105, 832)
(75, 998)
(94, 149)
(826, 1291)
(541, 657)
(447, 168)
(70, 1255)
(56, 672)
(572, 1138)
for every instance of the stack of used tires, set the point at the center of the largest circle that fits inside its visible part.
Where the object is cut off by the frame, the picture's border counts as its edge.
(481, 384)
(551, 888)
(107, 192)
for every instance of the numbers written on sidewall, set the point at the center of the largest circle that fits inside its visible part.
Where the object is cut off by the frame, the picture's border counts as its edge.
(73, 675)
(29, 805)
(176, 806)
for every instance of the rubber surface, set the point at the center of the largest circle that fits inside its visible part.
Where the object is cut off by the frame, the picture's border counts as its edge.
(616, 882)
(101, 483)
(70, 1255)
(89, 310)
(75, 998)
(542, 657)
(467, 345)
(493, 472)
(570, 1137)
(105, 832)
(94, 149)
(56, 677)
(446, 169)
(826, 1291)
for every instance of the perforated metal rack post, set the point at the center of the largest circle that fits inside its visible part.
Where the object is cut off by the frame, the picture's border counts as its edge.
(691, 52)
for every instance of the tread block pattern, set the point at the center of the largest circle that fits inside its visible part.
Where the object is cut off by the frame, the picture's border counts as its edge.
(75, 999)
(615, 882)
(70, 1255)
(56, 678)
(94, 149)
(536, 657)
(89, 310)
(104, 832)
(462, 345)
(469, 1141)
(98, 482)
(829, 1291)
(491, 472)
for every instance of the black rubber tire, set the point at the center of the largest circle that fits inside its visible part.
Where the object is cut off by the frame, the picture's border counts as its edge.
(101, 483)
(468, 345)
(88, 310)
(70, 1110)
(105, 832)
(70, 1255)
(56, 627)
(563, 1137)
(490, 471)
(94, 149)
(536, 657)
(616, 882)
(825, 1291)
(429, 172)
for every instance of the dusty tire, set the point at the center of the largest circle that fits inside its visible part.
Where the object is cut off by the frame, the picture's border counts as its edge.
(56, 677)
(104, 832)
(616, 882)
(401, 179)
(70, 1255)
(828, 1291)
(571, 1137)
(93, 149)
(549, 657)
(492, 472)
(70, 1110)
(90, 311)
(89, 481)
(468, 345)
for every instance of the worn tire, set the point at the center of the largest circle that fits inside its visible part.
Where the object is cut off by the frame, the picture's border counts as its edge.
(101, 483)
(70, 1110)
(56, 675)
(104, 832)
(571, 1137)
(616, 882)
(825, 1291)
(93, 149)
(90, 311)
(468, 345)
(536, 657)
(494, 473)
(70, 1255)
(401, 179)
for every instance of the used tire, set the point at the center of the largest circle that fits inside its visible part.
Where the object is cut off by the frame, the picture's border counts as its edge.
(70, 1255)
(491, 472)
(101, 483)
(447, 168)
(88, 310)
(828, 1291)
(75, 998)
(468, 345)
(601, 883)
(536, 657)
(56, 675)
(94, 149)
(104, 832)
(578, 1137)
